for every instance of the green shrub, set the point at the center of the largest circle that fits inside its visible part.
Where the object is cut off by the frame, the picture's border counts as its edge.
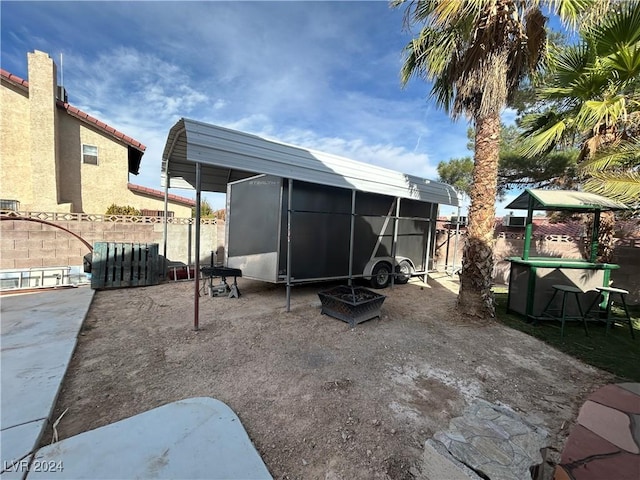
(120, 210)
(205, 210)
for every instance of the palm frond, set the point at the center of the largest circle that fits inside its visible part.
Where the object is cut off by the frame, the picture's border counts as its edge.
(422, 10)
(575, 74)
(409, 66)
(618, 29)
(545, 139)
(579, 12)
(623, 187)
(572, 61)
(621, 155)
(596, 113)
(625, 62)
(428, 54)
(534, 123)
(600, 163)
(447, 11)
(443, 93)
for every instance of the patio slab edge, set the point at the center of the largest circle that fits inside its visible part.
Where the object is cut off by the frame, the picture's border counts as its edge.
(38, 338)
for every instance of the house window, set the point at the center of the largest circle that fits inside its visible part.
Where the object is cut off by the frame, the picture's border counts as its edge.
(90, 154)
(13, 205)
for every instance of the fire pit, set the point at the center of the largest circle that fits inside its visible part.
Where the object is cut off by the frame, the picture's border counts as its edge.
(351, 304)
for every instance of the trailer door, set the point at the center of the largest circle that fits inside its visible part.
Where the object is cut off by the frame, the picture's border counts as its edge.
(253, 217)
(414, 227)
(320, 231)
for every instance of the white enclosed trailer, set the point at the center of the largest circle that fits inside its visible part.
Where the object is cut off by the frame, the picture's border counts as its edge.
(324, 233)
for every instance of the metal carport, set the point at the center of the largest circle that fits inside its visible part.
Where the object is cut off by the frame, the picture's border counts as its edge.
(207, 157)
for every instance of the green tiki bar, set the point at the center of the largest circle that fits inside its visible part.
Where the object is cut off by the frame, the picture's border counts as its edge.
(531, 279)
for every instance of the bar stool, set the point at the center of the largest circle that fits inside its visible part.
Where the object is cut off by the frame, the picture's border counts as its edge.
(566, 290)
(610, 292)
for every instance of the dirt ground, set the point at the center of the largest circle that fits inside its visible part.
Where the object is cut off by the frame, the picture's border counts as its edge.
(318, 399)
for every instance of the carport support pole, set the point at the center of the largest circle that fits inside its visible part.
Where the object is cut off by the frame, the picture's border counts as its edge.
(455, 240)
(446, 252)
(428, 253)
(289, 198)
(394, 242)
(352, 236)
(196, 296)
(165, 226)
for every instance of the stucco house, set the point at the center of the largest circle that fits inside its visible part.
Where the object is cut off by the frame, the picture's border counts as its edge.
(56, 158)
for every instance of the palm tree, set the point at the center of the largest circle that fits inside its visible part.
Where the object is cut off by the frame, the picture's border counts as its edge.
(476, 53)
(593, 99)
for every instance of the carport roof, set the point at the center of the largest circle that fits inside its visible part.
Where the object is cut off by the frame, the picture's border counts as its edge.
(571, 200)
(228, 155)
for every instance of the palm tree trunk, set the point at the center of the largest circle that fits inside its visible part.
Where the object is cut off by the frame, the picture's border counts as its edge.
(476, 298)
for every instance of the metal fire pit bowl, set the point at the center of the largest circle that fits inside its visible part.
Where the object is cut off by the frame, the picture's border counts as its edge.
(351, 304)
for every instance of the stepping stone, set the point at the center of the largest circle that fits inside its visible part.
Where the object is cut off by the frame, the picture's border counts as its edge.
(438, 463)
(612, 425)
(495, 441)
(605, 442)
(561, 474)
(631, 387)
(196, 438)
(623, 466)
(616, 397)
(583, 444)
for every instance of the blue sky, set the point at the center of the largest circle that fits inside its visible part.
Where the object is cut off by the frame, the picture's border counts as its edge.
(323, 75)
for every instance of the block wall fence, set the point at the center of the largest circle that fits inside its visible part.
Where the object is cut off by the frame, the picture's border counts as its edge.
(28, 244)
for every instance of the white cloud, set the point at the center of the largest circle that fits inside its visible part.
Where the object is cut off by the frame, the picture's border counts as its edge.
(219, 103)
(125, 83)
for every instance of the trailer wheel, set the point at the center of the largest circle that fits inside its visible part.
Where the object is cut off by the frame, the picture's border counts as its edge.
(403, 272)
(381, 275)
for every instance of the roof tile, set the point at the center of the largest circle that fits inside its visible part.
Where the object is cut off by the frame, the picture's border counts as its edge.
(159, 194)
(13, 78)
